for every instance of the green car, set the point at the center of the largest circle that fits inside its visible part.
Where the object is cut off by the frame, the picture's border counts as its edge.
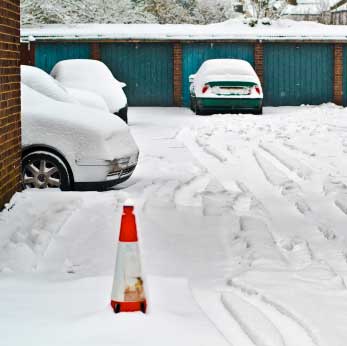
(225, 86)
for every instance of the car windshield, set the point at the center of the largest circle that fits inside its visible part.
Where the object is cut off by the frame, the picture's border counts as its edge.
(43, 83)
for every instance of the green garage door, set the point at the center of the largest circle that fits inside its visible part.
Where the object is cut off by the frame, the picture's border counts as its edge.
(48, 54)
(296, 74)
(196, 53)
(146, 68)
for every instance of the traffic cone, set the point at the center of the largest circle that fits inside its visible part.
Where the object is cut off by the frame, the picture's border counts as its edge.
(128, 291)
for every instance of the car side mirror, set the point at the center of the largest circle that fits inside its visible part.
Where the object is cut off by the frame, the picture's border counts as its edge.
(122, 85)
(191, 78)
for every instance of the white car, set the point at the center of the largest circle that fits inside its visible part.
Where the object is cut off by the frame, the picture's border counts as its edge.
(225, 85)
(45, 84)
(69, 146)
(94, 76)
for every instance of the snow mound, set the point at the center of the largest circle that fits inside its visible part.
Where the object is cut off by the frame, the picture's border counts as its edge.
(45, 84)
(94, 76)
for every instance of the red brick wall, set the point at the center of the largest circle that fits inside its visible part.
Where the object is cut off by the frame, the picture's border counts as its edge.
(177, 62)
(27, 53)
(10, 128)
(258, 61)
(96, 54)
(338, 73)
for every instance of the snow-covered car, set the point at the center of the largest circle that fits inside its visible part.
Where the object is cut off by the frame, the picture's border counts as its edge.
(225, 85)
(70, 146)
(45, 84)
(94, 76)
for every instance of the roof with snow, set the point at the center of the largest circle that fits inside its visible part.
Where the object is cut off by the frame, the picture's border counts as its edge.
(233, 29)
(341, 8)
(310, 7)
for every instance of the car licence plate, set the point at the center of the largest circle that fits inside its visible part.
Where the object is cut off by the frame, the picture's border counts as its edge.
(232, 91)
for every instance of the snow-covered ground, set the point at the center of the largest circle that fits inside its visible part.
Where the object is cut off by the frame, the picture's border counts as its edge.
(242, 222)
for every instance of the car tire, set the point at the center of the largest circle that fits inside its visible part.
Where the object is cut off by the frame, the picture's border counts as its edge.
(44, 170)
(198, 110)
(192, 103)
(123, 114)
(259, 111)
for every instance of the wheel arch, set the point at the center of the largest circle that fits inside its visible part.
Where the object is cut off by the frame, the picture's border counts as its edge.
(42, 147)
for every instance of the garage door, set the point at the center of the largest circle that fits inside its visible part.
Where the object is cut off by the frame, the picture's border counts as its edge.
(48, 54)
(296, 74)
(195, 54)
(146, 68)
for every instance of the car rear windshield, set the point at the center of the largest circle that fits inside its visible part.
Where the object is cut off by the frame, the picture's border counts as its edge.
(236, 68)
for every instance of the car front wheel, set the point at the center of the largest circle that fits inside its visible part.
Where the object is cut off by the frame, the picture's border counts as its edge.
(123, 114)
(43, 170)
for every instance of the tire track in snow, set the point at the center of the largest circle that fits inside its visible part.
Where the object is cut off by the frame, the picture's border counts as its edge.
(260, 330)
(278, 312)
(293, 192)
(341, 202)
(188, 194)
(280, 216)
(332, 256)
(236, 175)
(260, 242)
(291, 163)
(295, 148)
(298, 252)
(210, 150)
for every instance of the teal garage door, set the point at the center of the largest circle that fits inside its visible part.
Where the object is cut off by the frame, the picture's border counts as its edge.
(146, 68)
(344, 75)
(296, 74)
(48, 54)
(196, 53)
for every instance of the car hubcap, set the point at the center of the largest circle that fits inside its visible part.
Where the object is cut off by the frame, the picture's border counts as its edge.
(41, 174)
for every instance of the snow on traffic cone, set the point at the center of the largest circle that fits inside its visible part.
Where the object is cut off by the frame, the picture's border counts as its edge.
(128, 291)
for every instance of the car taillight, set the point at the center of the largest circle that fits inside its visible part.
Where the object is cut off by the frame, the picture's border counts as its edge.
(204, 88)
(257, 89)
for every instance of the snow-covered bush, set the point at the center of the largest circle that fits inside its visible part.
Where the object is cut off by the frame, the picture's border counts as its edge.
(83, 11)
(125, 11)
(213, 11)
(269, 9)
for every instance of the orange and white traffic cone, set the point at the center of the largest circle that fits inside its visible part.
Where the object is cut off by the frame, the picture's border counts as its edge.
(128, 291)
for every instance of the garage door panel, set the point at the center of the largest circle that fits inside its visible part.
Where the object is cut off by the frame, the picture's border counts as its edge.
(296, 74)
(146, 68)
(48, 54)
(196, 53)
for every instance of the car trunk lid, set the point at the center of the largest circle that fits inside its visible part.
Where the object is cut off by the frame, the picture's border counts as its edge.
(227, 88)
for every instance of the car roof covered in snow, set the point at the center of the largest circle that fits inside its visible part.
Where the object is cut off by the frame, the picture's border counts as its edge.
(283, 29)
(76, 68)
(226, 66)
(93, 76)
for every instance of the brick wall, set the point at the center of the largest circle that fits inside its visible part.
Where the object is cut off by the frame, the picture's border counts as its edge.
(177, 77)
(27, 53)
(10, 134)
(338, 73)
(259, 61)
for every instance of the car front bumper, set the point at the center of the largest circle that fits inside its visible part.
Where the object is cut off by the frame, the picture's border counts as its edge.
(228, 104)
(105, 184)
